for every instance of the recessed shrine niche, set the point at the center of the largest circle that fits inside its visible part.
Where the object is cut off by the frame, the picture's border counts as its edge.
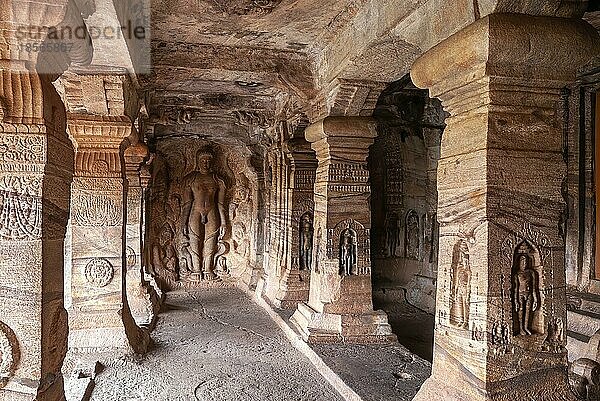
(403, 171)
(202, 214)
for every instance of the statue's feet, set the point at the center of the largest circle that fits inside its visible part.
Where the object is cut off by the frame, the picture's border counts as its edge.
(210, 276)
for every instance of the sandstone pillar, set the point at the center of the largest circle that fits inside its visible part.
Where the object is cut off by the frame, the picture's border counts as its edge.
(500, 308)
(141, 297)
(340, 306)
(36, 160)
(294, 284)
(99, 317)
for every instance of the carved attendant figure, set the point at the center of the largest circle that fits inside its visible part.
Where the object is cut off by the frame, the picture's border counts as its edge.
(203, 215)
(461, 288)
(525, 293)
(306, 242)
(392, 234)
(412, 235)
(348, 251)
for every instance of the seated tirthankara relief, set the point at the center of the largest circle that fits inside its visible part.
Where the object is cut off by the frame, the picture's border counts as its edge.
(201, 213)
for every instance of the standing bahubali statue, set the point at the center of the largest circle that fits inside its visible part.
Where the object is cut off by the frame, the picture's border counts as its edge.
(204, 221)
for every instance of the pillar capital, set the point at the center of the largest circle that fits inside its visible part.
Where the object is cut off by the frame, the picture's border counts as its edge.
(541, 51)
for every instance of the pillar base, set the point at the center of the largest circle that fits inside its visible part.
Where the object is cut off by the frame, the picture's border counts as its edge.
(118, 335)
(328, 328)
(144, 304)
(294, 289)
(449, 382)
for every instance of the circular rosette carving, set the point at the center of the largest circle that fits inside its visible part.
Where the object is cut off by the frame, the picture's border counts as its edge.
(9, 354)
(99, 272)
(131, 257)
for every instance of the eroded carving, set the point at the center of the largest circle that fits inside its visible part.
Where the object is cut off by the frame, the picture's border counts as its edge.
(348, 252)
(99, 272)
(306, 241)
(412, 235)
(461, 285)
(97, 210)
(525, 290)
(204, 216)
(9, 354)
(20, 207)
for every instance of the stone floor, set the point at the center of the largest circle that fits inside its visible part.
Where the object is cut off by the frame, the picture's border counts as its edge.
(217, 344)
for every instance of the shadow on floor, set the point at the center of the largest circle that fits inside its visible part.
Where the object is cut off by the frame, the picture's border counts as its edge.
(413, 326)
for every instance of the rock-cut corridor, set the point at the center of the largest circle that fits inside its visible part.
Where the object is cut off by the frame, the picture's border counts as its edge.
(213, 345)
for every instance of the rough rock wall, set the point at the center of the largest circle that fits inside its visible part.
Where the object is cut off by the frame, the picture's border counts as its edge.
(403, 165)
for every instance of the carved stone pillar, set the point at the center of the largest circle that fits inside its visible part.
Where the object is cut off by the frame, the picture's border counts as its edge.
(295, 281)
(141, 297)
(500, 309)
(99, 317)
(36, 168)
(340, 306)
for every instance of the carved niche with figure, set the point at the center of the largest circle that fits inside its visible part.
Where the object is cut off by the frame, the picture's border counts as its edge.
(412, 241)
(201, 192)
(525, 290)
(461, 285)
(203, 216)
(349, 243)
(306, 241)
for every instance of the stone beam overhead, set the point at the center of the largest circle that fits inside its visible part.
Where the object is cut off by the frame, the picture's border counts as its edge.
(499, 182)
(410, 23)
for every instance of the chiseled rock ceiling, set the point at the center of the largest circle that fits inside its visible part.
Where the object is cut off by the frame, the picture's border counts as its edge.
(215, 58)
(215, 61)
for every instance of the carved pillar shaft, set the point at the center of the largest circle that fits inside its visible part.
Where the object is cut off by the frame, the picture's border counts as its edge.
(36, 161)
(340, 305)
(500, 312)
(294, 283)
(140, 296)
(99, 316)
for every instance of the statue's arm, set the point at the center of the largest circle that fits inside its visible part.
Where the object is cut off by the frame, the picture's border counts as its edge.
(516, 299)
(536, 298)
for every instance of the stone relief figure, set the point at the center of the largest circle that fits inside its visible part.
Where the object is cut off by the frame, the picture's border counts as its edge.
(306, 241)
(525, 291)
(412, 235)
(461, 286)
(348, 252)
(164, 255)
(204, 220)
(392, 234)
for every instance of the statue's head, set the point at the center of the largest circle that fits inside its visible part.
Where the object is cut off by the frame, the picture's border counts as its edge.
(523, 262)
(204, 161)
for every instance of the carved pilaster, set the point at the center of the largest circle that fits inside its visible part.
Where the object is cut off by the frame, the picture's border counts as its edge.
(500, 308)
(340, 306)
(99, 317)
(295, 281)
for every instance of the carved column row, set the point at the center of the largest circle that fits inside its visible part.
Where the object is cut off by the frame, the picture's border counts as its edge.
(500, 312)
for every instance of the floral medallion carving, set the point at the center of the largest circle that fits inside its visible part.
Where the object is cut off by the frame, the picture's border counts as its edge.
(9, 354)
(99, 272)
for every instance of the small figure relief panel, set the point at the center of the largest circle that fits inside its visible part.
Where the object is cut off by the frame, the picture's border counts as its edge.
(392, 235)
(201, 198)
(525, 291)
(306, 231)
(460, 290)
(412, 243)
(9, 354)
(349, 242)
(348, 251)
